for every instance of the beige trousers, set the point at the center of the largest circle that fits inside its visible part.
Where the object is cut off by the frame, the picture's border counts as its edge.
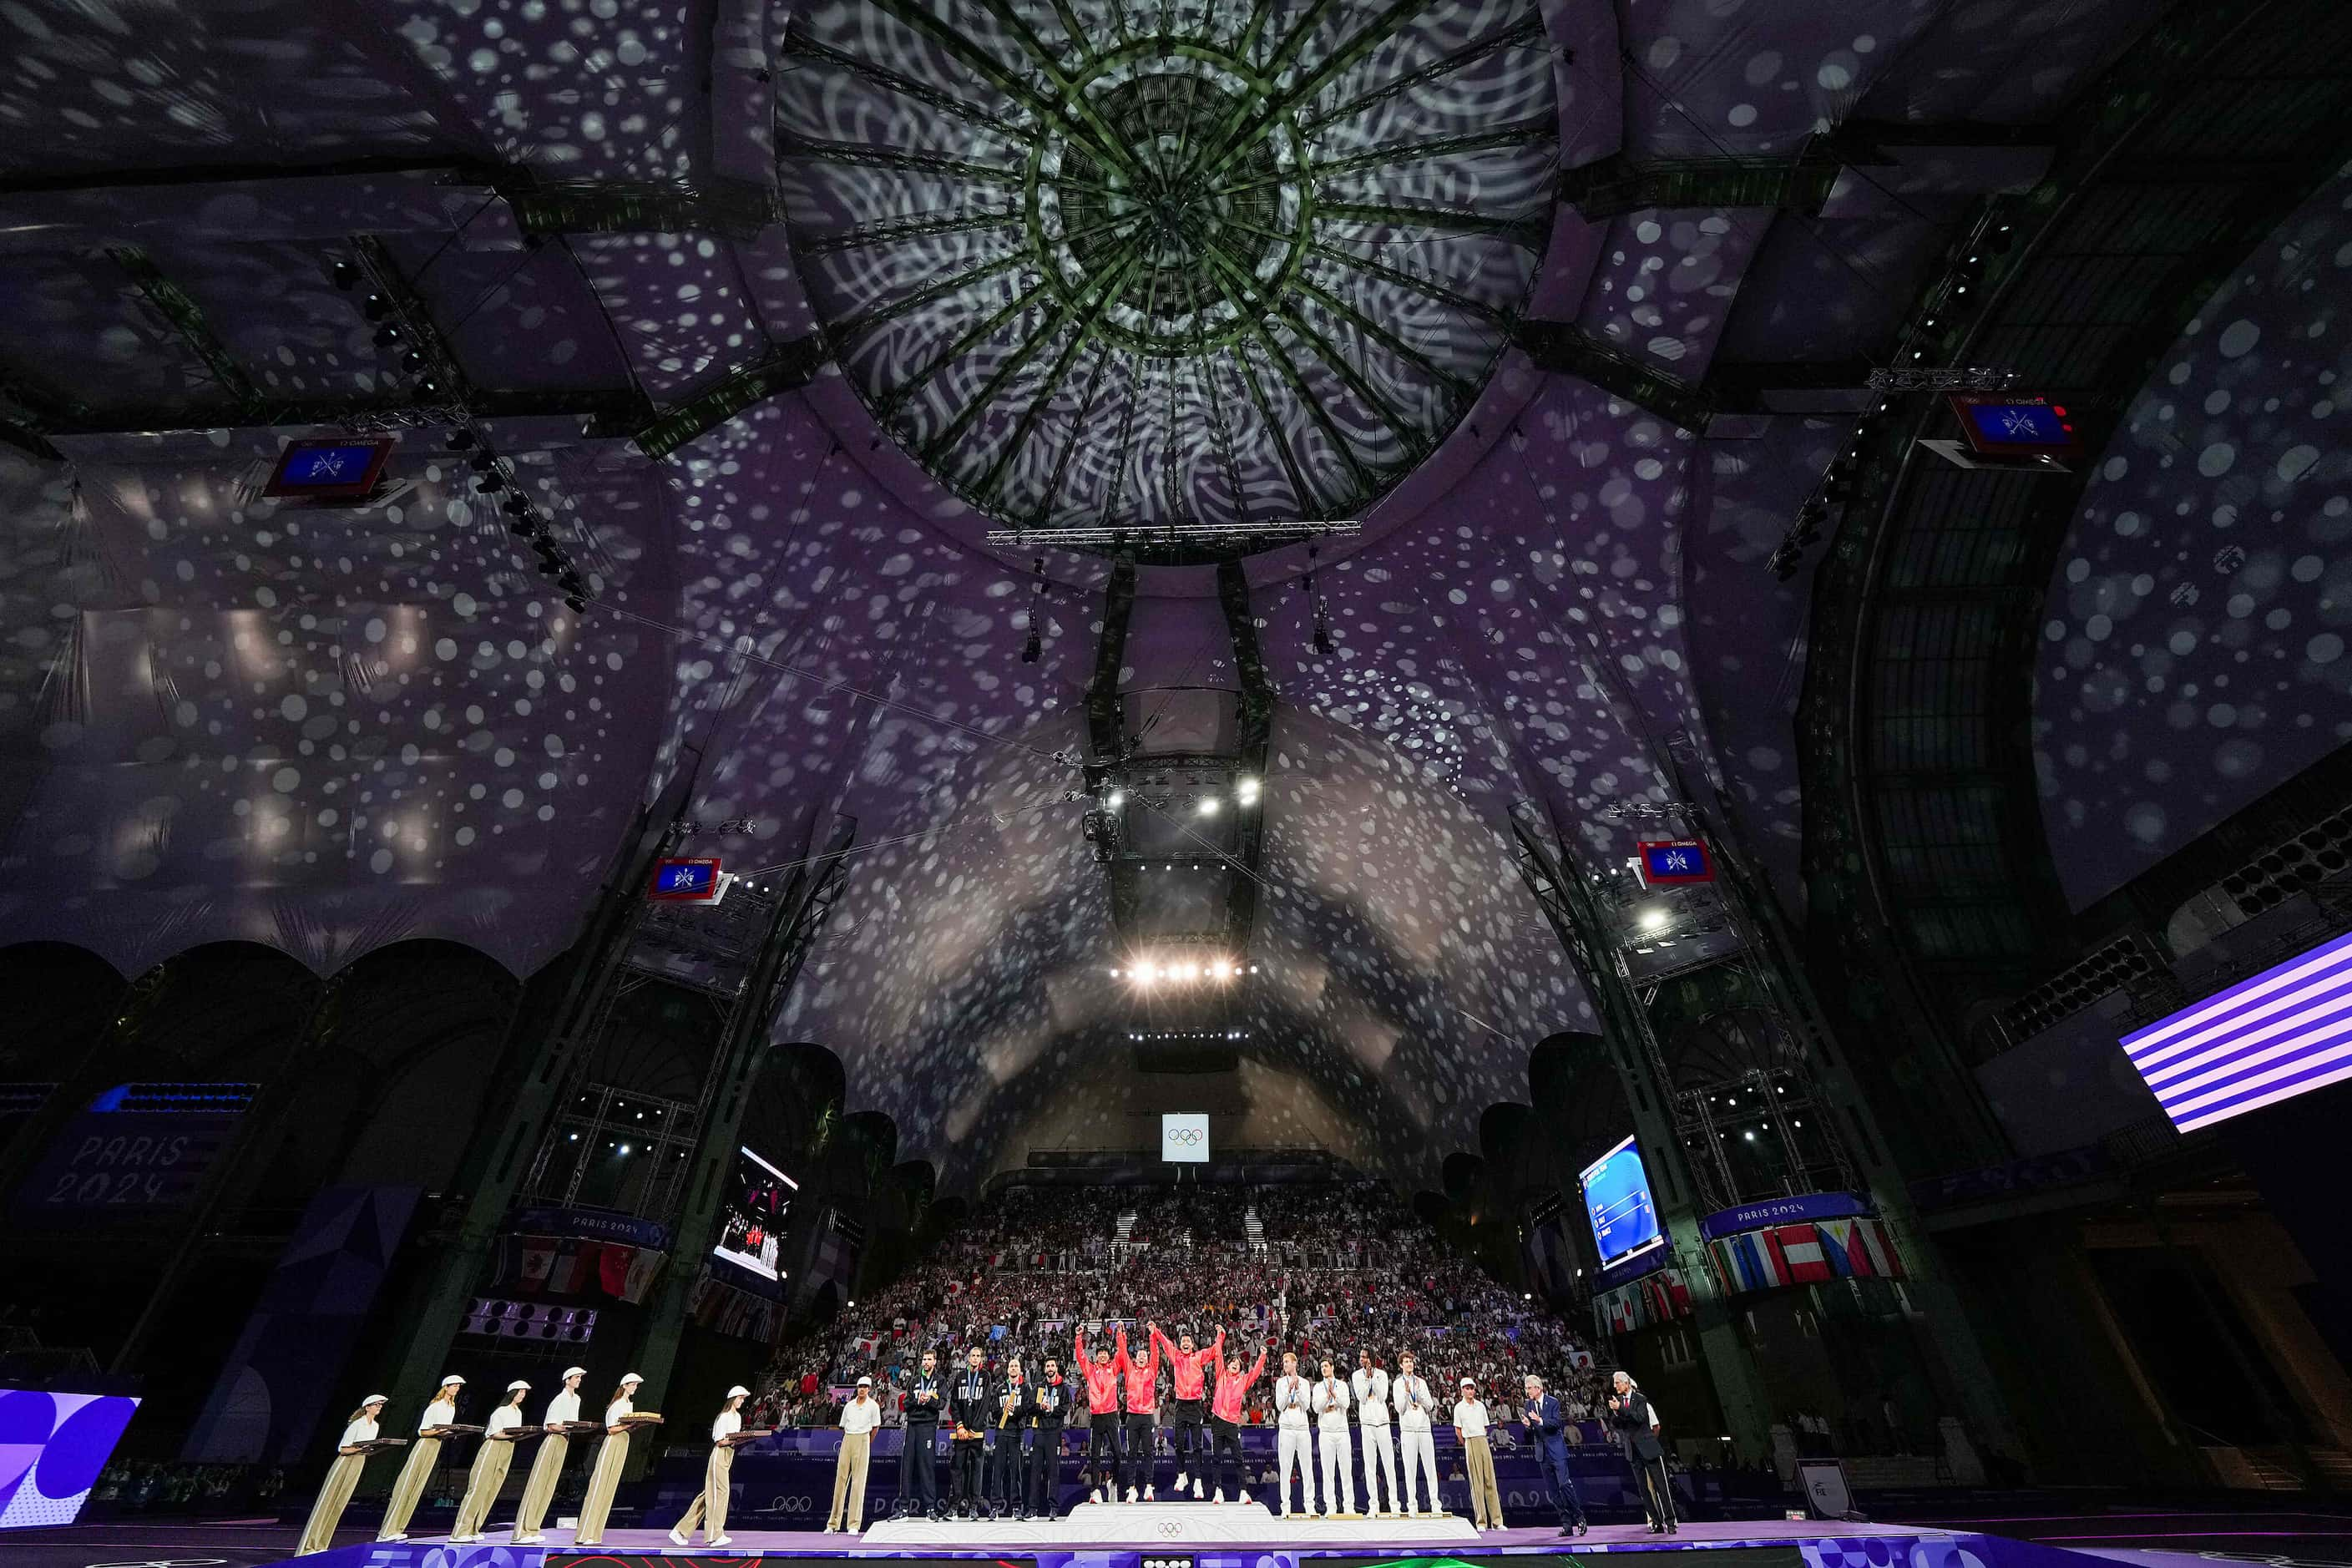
(409, 1491)
(1486, 1500)
(335, 1491)
(482, 1484)
(709, 1510)
(849, 1480)
(546, 1471)
(602, 1482)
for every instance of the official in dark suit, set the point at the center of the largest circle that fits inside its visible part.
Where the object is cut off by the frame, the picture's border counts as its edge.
(1547, 1435)
(1637, 1433)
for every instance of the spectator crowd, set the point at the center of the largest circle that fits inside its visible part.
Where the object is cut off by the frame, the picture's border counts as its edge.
(1323, 1268)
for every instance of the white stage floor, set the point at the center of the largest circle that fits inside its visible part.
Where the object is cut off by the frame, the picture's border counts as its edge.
(1131, 1523)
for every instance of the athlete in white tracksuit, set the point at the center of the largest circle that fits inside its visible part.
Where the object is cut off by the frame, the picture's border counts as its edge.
(1415, 1404)
(1332, 1403)
(1371, 1386)
(1292, 1396)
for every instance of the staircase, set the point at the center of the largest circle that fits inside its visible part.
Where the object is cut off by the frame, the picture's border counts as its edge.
(1253, 1228)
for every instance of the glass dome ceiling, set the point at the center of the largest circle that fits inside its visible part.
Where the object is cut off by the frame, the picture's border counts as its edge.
(1109, 265)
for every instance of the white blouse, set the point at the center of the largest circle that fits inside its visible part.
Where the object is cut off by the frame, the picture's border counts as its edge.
(440, 1413)
(727, 1423)
(504, 1416)
(564, 1409)
(614, 1411)
(1470, 1419)
(856, 1417)
(359, 1431)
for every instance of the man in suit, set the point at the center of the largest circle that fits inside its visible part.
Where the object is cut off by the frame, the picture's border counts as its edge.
(1547, 1435)
(1636, 1422)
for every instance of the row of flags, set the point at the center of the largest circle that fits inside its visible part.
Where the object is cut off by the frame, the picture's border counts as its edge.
(1810, 1254)
(575, 1266)
(722, 1308)
(1653, 1298)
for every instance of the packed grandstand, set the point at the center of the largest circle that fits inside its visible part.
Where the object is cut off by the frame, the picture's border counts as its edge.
(1323, 1268)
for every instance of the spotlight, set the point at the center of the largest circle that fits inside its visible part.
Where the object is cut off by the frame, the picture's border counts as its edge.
(1208, 806)
(344, 275)
(429, 387)
(387, 335)
(576, 605)
(1031, 649)
(460, 440)
(1118, 798)
(482, 462)
(515, 506)
(1322, 640)
(413, 360)
(489, 484)
(1245, 791)
(1653, 919)
(375, 307)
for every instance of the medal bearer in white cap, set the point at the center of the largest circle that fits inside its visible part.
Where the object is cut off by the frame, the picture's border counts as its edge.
(858, 1419)
(489, 1472)
(605, 1479)
(709, 1510)
(351, 1457)
(423, 1455)
(547, 1469)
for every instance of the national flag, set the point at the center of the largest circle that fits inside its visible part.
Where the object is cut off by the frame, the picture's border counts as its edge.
(1801, 1254)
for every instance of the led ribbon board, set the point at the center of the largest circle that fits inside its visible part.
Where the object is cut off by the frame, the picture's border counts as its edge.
(2285, 1032)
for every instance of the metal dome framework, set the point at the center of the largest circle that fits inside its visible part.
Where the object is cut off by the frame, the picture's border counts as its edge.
(1214, 267)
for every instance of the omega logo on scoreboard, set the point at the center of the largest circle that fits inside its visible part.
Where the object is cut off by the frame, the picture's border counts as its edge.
(684, 881)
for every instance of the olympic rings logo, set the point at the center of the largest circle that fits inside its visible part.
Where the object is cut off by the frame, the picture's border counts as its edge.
(792, 1505)
(1171, 1528)
(1187, 1136)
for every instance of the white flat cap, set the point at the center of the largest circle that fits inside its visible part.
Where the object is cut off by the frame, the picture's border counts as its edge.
(452, 1381)
(575, 1372)
(738, 1388)
(865, 1382)
(631, 1377)
(375, 1399)
(1469, 1383)
(518, 1383)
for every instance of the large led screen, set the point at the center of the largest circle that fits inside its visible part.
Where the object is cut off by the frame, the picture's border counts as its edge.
(52, 1446)
(753, 1231)
(1617, 1201)
(2285, 1032)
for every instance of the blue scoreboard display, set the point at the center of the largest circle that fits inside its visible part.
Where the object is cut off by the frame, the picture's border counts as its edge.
(1998, 425)
(342, 468)
(1675, 860)
(684, 881)
(1617, 1201)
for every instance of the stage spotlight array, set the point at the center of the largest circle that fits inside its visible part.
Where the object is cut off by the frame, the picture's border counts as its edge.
(1181, 971)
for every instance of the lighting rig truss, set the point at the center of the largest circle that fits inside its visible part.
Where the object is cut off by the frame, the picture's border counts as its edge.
(1203, 533)
(404, 330)
(1990, 235)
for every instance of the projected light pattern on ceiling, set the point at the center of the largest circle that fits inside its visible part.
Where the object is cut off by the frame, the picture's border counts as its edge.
(2194, 646)
(1098, 264)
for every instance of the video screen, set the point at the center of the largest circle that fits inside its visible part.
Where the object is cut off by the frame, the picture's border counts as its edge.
(1617, 1201)
(2285, 1032)
(756, 1212)
(1184, 1138)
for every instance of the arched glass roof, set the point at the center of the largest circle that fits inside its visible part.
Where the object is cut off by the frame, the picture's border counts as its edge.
(1101, 264)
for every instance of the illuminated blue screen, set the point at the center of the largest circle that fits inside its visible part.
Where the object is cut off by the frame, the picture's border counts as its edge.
(329, 466)
(2018, 424)
(1617, 1201)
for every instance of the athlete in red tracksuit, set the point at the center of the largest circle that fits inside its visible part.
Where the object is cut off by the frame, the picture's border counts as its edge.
(1189, 1366)
(1226, 1420)
(1102, 1415)
(1142, 1378)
